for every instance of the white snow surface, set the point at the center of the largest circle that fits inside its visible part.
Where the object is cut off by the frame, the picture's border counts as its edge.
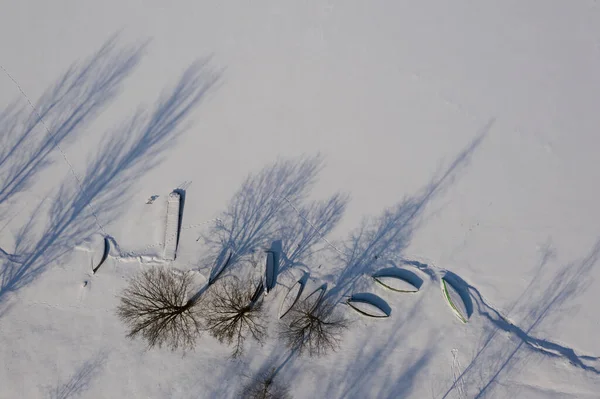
(464, 132)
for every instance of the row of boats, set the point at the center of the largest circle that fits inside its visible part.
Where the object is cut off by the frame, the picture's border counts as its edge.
(399, 280)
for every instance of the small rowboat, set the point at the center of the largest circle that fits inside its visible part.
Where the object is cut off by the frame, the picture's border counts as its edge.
(365, 306)
(395, 283)
(455, 300)
(399, 280)
(104, 255)
(291, 298)
(315, 297)
(269, 277)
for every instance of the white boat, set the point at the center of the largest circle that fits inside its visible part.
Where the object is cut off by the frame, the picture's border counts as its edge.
(104, 255)
(315, 297)
(395, 283)
(291, 298)
(269, 277)
(456, 302)
(367, 308)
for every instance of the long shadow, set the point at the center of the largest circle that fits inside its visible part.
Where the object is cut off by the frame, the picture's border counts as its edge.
(386, 236)
(307, 226)
(462, 288)
(373, 299)
(61, 114)
(81, 380)
(402, 274)
(362, 367)
(569, 282)
(366, 375)
(83, 206)
(260, 213)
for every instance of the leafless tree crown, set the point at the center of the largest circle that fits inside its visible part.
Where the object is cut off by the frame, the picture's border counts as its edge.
(313, 330)
(156, 307)
(231, 315)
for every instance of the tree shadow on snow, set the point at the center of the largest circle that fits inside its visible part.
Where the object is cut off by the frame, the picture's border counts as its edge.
(498, 355)
(84, 205)
(308, 226)
(270, 206)
(386, 236)
(372, 368)
(81, 380)
(62, 113)
(29, 138)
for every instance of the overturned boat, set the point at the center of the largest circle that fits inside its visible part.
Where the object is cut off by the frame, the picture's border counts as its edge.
(369, 305)
(270, 272)
(314, 298)
(104, 255)
(291, 297)
(455, 300)
(396, 283)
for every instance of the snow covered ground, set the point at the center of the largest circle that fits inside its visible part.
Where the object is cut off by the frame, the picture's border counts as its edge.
(464, 133)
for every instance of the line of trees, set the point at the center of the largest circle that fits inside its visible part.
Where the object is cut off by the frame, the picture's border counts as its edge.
(160, 307)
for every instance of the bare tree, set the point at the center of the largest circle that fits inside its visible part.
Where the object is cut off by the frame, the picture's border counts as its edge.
(313, 329)
(156, 307)
(264, 386)
(234, 311)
